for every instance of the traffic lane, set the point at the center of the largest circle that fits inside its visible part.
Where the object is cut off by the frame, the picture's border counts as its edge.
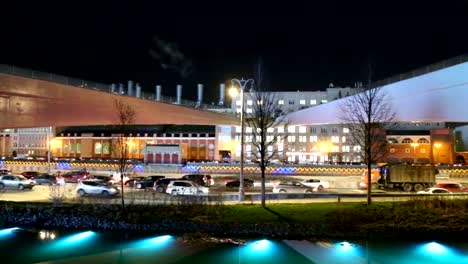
(37, 193)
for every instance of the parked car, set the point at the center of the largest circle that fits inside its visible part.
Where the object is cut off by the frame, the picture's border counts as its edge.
(316, 184)
(161, 185)
(75, 176)
(248, 183)
(200, 179)
(434, 190)
(131, 182)
(292, 187)
(30, 174)
(184, 187)
(147, 182)
(95, 187)
(102, 178)
(15, 181)
(45, 179)
(453, 187)
(5, 171)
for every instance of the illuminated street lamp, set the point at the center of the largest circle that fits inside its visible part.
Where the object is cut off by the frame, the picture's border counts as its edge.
(414, 145)
(437, 147)
(233, 92)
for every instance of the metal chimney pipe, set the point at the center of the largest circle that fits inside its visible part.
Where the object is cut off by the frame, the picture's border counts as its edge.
(222, 88)
(121, 88)
(200, 94)
(179, 94)
(158, 92)
(138, 90)
(130, 88)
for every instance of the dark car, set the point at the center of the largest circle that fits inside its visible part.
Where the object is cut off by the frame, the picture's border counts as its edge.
(161, 185)
(453, 187)
(30, 174)
(131, 182)
(45, 179)
(200, 179)
(75, 176)
(147, 182)
(248, 183)
(102, 178)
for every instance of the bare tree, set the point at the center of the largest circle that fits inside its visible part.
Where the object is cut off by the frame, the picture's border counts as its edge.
(263, 119)
(367, 114)
(125, 119)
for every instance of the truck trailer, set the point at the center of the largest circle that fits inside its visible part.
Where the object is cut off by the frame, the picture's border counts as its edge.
(406, 177)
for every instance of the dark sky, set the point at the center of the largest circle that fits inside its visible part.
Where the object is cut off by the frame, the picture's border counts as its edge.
(304, 44)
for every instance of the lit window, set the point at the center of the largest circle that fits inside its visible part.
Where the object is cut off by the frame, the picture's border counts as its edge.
(335, 148)
(313, 138)
(423, 141)
(313, 102)
(302, 102)
(291, 129)
(249, 102)
(248, 130)
(302, 139)
(343, 139)
(238, 129)
(259, 102)
(270, 130)
(407, 141)
(249, 110)
(270, 149)
(302, 129)
(335, 139)
(238, 102)
(97, 148)
(291, 138)
(270, 138)
(238, 110)
(324, 101)
(345, 148)
(280, 147)
(281, 102)
(280, 129)
(357, 148)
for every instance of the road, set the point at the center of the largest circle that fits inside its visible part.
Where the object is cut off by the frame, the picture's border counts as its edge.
(134, 196)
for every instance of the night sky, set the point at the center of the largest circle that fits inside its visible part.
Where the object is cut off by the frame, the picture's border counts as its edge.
(305, 45)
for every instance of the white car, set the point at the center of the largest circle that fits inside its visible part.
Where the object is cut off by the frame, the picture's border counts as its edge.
(434, 190)
(316, 184)
(95, 187)
(178, 187)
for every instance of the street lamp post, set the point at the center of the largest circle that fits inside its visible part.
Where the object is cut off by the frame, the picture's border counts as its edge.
(242, 83)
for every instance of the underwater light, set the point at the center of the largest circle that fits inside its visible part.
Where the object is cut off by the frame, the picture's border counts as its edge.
(260, 244)
(79, 237)
(8, 231)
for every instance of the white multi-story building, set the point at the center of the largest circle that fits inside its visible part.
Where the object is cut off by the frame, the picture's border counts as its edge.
(25, 141)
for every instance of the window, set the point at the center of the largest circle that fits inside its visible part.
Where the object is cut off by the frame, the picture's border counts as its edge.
(407, 150)
(343, 139)
(407, 141)
(423, 141)
(345, 148)
(249, 102)
(323, 130)
(357, 148)
(291, 129)
(392, 141)
(280, 129)
(270, 138)
(106, 148)
(270, 130)
(335, 139)
(302, 129)
(97, 148)
(249, 110)
(302, 139)
(78, 148)
(238, 129)
(238, 110)
(291, 102)
(334, 130)
(313, 102)
(302, 102)
(291, 138)
(324, 101)
(281, 102)
(72, 148)
(335, 148)
(248, 130)
(313, 130)
(313, 138)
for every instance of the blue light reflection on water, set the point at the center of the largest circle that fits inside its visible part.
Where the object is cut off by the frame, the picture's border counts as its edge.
(4, 233)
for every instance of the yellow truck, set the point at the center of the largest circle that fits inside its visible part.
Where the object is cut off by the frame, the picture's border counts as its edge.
(405, 177)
